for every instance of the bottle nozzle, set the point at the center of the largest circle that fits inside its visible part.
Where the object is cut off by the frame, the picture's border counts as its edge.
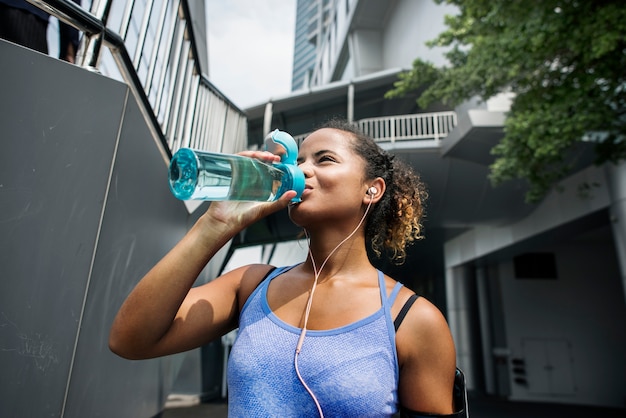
(281, 143)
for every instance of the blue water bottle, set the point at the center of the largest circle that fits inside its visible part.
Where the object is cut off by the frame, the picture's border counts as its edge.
(202, 175)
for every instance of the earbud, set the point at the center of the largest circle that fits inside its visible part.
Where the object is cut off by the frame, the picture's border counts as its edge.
(372, 191)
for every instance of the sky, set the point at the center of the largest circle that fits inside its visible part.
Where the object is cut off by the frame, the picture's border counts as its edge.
(250, 45)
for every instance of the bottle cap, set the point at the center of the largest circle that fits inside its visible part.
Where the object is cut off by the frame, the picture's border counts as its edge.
(283, 144)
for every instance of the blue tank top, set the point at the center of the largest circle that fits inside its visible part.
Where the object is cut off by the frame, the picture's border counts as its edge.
(352, 370)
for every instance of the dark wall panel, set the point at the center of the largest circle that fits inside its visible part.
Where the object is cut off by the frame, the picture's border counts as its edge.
(142, 221)
(58, 139)
(84, 212)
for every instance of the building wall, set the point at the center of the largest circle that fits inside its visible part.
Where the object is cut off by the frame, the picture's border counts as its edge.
(393, 43)
(569, 331)
(367, 51)
(411, 24)
(304, 50)
(558, 208)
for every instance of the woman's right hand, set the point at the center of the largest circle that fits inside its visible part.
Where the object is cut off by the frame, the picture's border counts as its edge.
(237, 215)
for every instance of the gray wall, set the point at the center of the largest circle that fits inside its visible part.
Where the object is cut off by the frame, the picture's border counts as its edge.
(410, 26)
(84, 212)
(570, 330)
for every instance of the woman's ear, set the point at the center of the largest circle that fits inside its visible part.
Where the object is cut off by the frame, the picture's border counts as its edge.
(375, 190)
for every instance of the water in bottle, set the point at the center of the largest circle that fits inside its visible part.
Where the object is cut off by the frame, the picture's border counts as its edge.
(202, 175)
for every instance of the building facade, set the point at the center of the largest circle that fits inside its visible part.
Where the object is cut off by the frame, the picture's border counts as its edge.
(307, 26)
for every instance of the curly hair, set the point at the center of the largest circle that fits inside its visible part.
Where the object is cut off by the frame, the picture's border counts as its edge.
(396, 220)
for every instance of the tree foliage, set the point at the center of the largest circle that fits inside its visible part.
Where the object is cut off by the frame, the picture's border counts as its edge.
(565, 62)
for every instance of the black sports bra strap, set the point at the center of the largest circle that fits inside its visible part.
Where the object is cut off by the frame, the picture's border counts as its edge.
(404, 310)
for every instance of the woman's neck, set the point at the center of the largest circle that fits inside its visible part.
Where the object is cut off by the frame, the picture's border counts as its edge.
(333, 248)
(328, 257)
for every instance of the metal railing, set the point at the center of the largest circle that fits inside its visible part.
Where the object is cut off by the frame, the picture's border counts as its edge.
(153, 50)
(435, 126)
(417, 126)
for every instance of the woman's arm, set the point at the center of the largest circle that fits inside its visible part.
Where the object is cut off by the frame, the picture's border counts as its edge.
(427, 360)
(163, 314)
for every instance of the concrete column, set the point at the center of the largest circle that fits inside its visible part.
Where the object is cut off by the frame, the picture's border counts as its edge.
(267, 118)
(616, 177)
(350, 110)
(459, 317)
(485, 328)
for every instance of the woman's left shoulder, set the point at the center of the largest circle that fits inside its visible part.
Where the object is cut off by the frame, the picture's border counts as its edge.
(426, 357)
(424, 328)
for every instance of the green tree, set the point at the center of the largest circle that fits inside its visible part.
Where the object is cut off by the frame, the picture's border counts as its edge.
(565, 62)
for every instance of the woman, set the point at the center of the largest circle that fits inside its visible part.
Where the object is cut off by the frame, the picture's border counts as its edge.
(316, 338)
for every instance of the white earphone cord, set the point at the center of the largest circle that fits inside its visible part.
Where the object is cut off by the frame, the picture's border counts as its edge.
(310, 302)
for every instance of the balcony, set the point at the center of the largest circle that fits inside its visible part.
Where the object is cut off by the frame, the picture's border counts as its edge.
(428, 128)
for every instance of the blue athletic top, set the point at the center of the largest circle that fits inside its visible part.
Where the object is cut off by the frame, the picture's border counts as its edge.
(352, 370)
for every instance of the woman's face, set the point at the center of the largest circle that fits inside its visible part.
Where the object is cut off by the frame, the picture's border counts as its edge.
(334, 177)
